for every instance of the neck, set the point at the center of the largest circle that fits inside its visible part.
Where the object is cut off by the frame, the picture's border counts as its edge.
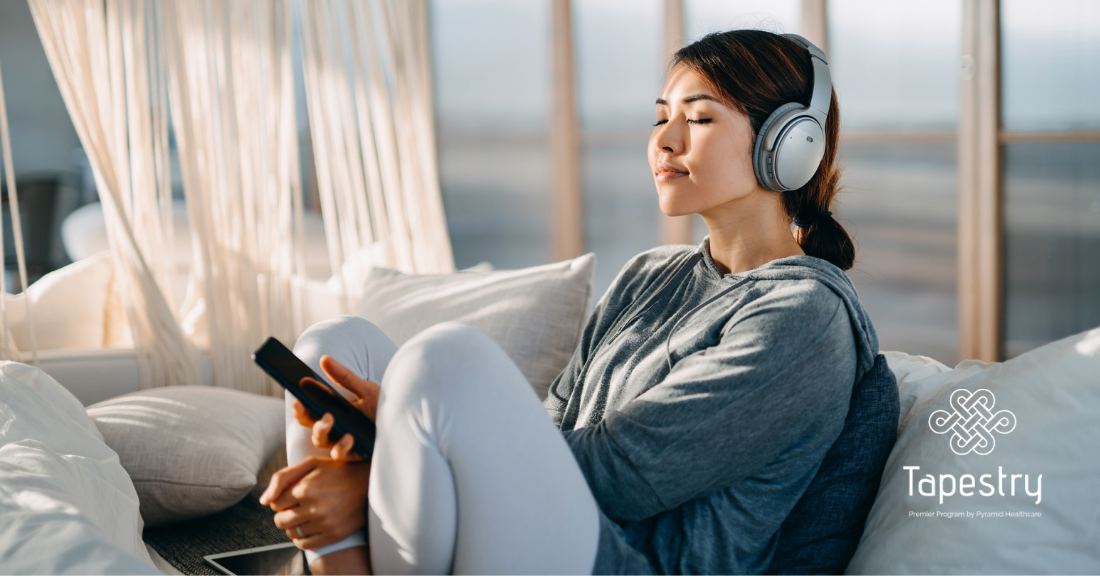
(748, 232)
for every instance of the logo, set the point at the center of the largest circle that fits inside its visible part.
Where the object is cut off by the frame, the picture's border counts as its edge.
(973, 422)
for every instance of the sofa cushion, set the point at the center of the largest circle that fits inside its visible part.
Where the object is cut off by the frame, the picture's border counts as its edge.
(535, 314)
(68, 306)
(1053, 395)
(209, 444)
(822, 531)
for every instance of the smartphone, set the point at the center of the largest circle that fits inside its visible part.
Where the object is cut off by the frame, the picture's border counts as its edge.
(316, 395)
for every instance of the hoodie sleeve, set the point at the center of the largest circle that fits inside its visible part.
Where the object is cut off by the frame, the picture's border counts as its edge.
(769, 398)
(636, 276)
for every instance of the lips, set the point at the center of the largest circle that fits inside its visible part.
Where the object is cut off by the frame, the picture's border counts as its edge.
(666, 172)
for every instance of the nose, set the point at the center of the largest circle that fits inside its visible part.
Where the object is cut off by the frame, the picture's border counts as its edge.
(669, 137)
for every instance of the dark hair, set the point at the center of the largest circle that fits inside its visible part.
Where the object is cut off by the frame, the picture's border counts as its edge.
(755, 72)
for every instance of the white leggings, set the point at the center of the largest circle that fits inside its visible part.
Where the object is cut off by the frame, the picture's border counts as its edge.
(469, 474)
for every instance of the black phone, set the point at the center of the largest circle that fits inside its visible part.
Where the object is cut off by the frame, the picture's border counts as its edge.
(316, 395)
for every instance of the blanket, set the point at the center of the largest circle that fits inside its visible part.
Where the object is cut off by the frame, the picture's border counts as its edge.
(66, 504)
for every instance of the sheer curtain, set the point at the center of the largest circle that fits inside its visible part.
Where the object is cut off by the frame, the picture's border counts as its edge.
(98, 54)
(368, 87)
(222, 71)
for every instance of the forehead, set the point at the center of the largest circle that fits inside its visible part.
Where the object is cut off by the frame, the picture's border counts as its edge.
(682, 82)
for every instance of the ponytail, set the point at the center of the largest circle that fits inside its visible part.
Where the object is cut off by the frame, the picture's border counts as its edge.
(756, 72)
(822, 237)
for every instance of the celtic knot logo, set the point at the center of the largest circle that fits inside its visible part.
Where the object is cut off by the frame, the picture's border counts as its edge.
(973, 422)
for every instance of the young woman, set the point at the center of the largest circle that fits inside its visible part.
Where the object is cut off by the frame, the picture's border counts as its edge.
(707, 387)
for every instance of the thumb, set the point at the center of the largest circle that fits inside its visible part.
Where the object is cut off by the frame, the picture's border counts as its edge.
(343, 376)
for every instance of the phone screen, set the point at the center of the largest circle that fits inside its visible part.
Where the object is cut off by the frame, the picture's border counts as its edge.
(316, 395)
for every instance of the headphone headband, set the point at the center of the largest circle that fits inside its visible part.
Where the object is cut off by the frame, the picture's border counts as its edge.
(823, 80)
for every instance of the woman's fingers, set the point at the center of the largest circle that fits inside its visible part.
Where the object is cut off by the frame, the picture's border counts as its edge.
(341, 451)
(289, 519)
(321, 430)
(311, 542)
(302, 415)
(365, 390)
(285, 478)
(309, 537)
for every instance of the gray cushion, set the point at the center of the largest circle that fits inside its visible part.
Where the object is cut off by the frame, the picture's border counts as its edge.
(535, 314)
(190, 450)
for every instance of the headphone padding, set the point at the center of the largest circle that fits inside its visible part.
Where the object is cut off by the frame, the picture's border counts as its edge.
(762, 136)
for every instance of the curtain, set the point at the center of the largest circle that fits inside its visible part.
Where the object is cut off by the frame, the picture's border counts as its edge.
(232, 94)
(98, 52)
(368, 87)
(222, 72)
(8, 350)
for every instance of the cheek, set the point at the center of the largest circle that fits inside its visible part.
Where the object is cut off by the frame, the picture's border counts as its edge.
(727, 162)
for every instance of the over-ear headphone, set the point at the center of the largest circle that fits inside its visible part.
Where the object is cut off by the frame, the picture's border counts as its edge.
(791, 142)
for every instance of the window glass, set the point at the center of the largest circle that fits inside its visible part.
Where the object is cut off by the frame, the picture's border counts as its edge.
(1052, 242)
(895, 69)
(618, 55)
(899, 203)
(1050, 64)
(702, 17)
(895, 63)
(491, 67)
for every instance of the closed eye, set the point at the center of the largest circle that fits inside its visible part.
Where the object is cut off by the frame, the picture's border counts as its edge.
(689, 121)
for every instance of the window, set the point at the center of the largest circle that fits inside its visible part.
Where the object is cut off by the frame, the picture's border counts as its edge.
(894, 67)
(1050, 56)
(619, 66)
(492, 81)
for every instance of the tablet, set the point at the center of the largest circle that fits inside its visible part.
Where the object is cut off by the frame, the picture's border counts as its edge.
(275, 559)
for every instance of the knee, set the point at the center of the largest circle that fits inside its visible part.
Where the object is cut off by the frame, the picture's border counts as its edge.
(352, 341)
(448, 357)
(340, 329)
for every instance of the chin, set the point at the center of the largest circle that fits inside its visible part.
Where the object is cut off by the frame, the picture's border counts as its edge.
(670, 205)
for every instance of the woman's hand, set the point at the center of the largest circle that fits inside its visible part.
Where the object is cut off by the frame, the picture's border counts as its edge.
(324, 499)
(366, 401)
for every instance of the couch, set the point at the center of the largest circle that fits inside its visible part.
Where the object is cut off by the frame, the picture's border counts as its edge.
(996, 467)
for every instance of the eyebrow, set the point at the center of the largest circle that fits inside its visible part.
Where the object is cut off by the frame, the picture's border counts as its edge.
(690, 99)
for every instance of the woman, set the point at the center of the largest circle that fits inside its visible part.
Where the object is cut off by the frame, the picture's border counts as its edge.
(708, 384)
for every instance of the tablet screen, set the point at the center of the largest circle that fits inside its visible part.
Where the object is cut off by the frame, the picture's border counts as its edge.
(274, 559)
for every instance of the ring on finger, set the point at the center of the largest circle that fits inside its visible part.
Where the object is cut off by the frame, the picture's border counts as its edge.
(299, 529)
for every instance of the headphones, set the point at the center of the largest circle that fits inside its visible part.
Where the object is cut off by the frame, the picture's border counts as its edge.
(791, 142)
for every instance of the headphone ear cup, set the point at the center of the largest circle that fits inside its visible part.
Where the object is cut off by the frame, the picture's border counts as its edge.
(758, 151)
(797, 154)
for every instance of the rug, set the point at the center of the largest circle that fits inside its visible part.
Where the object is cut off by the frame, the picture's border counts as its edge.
(247, 524)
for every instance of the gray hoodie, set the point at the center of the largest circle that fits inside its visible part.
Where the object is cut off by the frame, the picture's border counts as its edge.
(699, 405)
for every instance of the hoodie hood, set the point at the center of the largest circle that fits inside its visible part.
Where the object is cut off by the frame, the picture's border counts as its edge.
(810, 267)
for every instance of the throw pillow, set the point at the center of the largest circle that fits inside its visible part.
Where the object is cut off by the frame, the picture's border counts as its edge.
(820, 534)
(190, 450)
(67, 306)
(957, 513)
(535, 314)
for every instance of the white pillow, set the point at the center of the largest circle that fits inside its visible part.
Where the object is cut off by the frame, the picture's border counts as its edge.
(68, 306)
(535, 314)
(191, 450)
(1053, 393)
(66, 505)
